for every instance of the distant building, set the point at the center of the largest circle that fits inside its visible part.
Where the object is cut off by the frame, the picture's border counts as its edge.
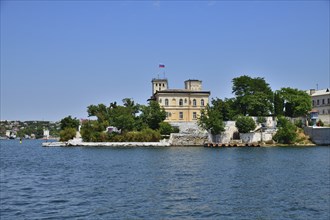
(321, 103)
(8, 132)
(181, 105)
(46, 133)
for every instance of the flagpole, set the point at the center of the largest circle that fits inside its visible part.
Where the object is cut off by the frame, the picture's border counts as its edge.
(162, 66)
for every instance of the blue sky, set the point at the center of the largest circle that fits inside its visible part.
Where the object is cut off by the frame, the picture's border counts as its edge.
(58, 57)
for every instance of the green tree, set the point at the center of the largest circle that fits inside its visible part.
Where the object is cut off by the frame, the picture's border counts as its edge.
(245, 124)
(166, 129)
(122, 118)
(152, 115)
(67, 134)
(100, 111)
(69, 122)
(297, 102)
(134, 108)
(278, 104)
(93, 131)
(226, 108)
(253, 96)
(286, 133)
(211, 120)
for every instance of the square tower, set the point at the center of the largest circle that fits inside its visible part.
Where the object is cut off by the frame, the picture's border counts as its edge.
(193, 85)
(159, 85)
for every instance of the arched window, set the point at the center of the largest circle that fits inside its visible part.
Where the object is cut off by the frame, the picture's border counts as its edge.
(202, 102)
(194, 103)
(181, 102)
(166, 102)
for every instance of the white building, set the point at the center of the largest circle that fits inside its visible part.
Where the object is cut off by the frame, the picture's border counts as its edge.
(46, 133)
(321, 103)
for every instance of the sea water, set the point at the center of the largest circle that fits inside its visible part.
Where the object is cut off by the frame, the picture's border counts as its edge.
(163, 183)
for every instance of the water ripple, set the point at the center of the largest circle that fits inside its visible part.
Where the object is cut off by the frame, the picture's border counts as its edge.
(163, 183)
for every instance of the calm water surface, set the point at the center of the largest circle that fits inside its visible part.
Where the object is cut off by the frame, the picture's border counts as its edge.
(163, 183)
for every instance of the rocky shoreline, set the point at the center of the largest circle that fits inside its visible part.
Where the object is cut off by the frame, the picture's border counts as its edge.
(79, 143)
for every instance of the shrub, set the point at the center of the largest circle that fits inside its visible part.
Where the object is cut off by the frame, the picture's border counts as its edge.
(146, 135)
(245, 124)
(261, 120)
(298, 123)
(166, 129)
(320, 123)
(286, 133)
(67, 134)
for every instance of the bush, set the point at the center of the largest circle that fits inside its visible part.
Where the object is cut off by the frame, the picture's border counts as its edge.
(93, 131)
(67, 134)
(286, 133)
(146, 135)
(320, 123)
(166, 129)
(245, 124)
(298, 123)
(261, 120)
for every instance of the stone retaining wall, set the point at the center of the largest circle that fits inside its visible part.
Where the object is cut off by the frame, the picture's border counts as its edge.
(256, 137)
(188, 139)
(319, 135)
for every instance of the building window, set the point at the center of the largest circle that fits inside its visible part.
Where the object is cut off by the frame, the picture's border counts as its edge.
(313, 103)
(166, 102)
(185, 101)
(202, 102)
(181, 102)
(194, 115)
(194, 103)
(318, 102)
(160, 100)
(323, 101)
(180, 115)
(168, 114)
(328, 101)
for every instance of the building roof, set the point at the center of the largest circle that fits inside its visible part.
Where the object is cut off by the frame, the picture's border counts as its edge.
(156, 80)
(194, 80)
(321, 92)
(167, 91)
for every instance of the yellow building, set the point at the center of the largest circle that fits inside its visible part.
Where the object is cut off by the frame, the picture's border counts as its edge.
(181, 105)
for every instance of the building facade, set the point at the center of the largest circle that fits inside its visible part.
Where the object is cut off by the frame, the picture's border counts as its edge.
(321, 103)
(181, 105)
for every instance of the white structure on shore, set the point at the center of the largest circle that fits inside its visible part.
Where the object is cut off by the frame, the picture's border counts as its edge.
(321, 103)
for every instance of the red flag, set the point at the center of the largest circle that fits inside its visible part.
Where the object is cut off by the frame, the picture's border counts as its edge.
(161, 66)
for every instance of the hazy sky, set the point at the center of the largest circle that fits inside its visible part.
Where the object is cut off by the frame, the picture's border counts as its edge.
(58, 57)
